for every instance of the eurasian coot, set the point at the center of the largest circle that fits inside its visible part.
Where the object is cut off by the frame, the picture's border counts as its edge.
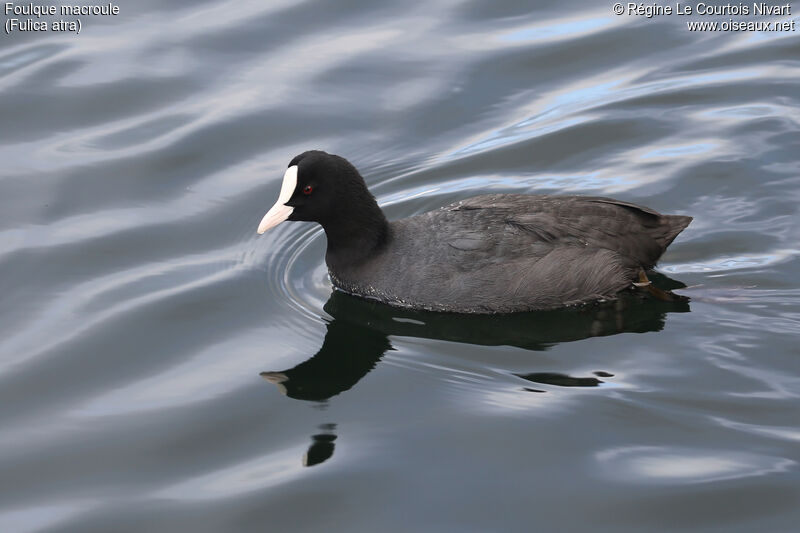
(496, 253)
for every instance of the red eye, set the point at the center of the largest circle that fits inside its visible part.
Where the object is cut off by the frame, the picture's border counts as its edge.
(308, 189)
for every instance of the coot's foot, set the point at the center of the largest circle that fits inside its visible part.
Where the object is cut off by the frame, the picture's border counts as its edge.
(659, 294)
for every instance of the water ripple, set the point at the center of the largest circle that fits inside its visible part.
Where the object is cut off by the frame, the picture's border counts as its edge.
(678, 466)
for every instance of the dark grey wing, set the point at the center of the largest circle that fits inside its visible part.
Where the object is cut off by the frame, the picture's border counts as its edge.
(537, 275)
(637, 233)
(506, 253)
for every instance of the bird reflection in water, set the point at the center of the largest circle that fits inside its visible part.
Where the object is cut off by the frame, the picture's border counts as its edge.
(322, 445)
(358, 336)
(562, 380)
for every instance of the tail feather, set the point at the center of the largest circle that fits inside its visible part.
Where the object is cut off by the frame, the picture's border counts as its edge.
(673, 225)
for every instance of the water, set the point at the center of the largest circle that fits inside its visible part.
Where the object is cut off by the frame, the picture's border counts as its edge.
(166, 369)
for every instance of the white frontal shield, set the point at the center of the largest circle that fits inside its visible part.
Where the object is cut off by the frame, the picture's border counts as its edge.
(280, 212)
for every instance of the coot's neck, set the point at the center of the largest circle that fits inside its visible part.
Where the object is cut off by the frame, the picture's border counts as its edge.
(356, 235)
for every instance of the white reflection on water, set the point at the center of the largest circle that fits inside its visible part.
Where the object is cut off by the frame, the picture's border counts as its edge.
(214, 372)
(30, 519)
(760, 37)
(486, 184)
(748, 112)
(732, 263)
(782, 433)
(21, 57)
(573, 102)
(685, 465)
(28, 345)
(260, 473)
(533, 397)
(558, 30)
(679, 150)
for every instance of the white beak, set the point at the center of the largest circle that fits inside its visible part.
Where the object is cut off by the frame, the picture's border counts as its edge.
(280, 212)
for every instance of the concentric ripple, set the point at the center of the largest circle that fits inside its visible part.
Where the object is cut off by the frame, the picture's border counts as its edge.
(297, 271)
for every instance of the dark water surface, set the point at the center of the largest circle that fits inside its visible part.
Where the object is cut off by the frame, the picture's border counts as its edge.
(163, 368)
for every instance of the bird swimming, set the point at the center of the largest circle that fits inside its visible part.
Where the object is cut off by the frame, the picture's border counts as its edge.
(494, 253)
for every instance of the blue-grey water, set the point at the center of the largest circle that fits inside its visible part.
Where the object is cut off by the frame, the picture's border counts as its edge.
(163, 368)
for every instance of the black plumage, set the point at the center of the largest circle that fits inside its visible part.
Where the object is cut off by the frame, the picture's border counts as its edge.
(497, 253)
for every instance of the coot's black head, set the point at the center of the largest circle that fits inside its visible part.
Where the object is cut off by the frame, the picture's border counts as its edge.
(319, 187)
